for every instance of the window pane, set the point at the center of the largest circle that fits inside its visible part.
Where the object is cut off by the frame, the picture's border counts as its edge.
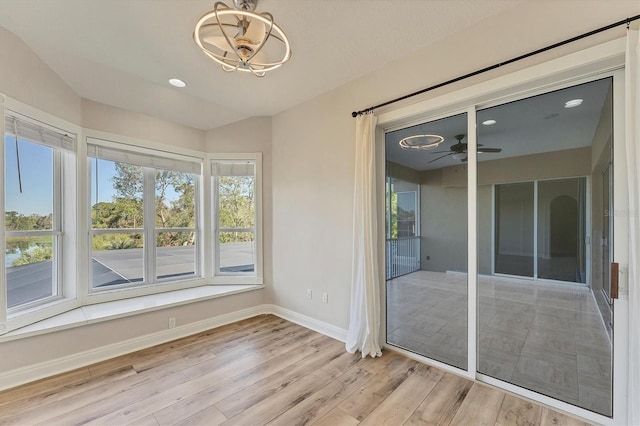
(236, 198)
(28, 185)
(117, 259)
(116, 195)
(175, 255)
(175, 199)
(237, 252)
(29, 269)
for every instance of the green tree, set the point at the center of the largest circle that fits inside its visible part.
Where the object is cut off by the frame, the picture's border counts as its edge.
(236, 206)
(36, 254)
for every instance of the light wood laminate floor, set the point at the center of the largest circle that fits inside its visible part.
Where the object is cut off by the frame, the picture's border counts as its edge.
(264, 370)
(546, 338)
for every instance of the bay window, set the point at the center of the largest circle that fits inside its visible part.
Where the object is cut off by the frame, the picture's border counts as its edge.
(236, 197)
(38, 277)
(144, 222)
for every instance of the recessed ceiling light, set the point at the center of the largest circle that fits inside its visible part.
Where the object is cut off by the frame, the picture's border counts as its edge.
(573, 103)
(177, 82)
(489, 122)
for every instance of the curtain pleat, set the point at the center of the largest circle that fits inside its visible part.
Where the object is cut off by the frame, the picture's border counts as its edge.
(364, 319)
(632, 139)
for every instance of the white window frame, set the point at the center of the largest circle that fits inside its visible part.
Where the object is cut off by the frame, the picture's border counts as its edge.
(218, 277)
(150, 283)
(65, 226)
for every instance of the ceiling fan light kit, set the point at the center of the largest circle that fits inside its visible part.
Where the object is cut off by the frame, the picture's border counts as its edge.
(421, 142)
(242, 40)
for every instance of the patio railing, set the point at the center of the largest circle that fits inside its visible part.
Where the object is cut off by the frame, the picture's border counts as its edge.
(403, 256)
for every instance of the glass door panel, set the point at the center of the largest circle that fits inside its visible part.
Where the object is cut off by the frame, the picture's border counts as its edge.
(514, 229)
(561, 230)
(539, 326)
(426, 246)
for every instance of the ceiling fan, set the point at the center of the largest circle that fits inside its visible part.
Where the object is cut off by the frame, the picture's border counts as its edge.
(241, 39)
(459, 150)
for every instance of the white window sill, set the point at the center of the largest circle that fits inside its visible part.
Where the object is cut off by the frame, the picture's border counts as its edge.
(106, 311)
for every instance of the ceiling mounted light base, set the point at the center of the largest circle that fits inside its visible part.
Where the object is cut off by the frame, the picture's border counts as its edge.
(241, 39)
(421, 142)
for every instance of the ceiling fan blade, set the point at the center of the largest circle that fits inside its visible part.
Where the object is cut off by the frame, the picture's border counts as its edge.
(439, 152)
(442, 156)
(255, 32)
(490, 150)
(218, 41)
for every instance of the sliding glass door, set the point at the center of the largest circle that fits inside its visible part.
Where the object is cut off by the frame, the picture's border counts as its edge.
(540, 229)
(543, 320)
(426, 245)
(539, 326)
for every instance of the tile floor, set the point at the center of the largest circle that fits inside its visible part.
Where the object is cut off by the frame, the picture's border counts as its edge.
(544, 337)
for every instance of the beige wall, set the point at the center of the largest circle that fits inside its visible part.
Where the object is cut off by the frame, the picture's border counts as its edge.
(247, 136)
(97, 116)
(26, 78)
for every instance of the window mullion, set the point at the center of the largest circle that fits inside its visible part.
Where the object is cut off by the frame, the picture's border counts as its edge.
(149, 214)
(215, 227)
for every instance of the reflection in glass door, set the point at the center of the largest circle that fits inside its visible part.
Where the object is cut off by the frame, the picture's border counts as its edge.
(426, 288)
(540, 229)
(539, 326)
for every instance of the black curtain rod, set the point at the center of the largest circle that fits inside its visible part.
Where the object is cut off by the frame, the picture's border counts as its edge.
(498, 65)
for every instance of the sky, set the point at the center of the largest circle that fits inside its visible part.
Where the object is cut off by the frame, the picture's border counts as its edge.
(36, 167)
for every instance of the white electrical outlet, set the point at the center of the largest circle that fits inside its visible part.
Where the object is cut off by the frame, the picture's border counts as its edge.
(309, 294)
(325, 297)
(172, 323)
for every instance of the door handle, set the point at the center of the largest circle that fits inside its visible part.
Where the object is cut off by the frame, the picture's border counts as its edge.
(615, 268)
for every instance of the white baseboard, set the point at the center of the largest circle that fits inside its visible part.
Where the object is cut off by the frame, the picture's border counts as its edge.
(20, 376)
(308, 322)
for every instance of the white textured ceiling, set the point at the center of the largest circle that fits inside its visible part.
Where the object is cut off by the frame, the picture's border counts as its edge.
(122, 52)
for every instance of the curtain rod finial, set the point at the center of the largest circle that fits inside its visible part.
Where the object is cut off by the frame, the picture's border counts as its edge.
(354, 114)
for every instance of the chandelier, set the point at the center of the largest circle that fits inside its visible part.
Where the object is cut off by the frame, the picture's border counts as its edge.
(242, 40)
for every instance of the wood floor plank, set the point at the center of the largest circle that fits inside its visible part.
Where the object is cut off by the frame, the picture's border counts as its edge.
(58, 396)
(233, 365)
(324, 400)
(146, 421)
(239, 380)
(106, 390)
(553, 418)
(480, 407)
(258, 349)
(336, 417)
(443, 402)
(370, 395)
(210, 416)
(264, 370)
(402, 402)
(245, 399)
(45, 386)
(518, 411)
(102, 406)
(296, 392)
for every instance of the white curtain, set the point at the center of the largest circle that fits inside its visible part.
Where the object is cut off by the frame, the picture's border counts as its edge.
(364, 321)
(632, 140)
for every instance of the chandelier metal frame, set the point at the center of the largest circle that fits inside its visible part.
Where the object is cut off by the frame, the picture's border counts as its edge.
(241, 61)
